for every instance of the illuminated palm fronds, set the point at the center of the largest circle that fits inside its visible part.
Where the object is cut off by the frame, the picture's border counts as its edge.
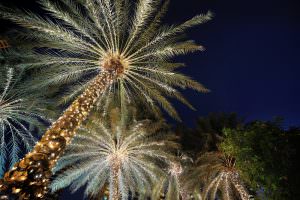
(172, 186)
(18, 114)
(215, 177)
(127, 158)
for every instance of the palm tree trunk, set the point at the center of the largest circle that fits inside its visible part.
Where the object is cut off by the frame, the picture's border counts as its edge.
(30, 177)
(115, 193)
(240, 188)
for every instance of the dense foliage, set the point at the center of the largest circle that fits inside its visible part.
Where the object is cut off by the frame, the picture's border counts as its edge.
(262, 154)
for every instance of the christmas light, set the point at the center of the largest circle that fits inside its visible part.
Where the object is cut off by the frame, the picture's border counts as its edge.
(4, 44)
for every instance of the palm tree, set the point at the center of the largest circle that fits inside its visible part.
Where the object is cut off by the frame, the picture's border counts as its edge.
(168, 187)
(215, 176)
(114, 54)
(126, 158)
(19, 115)
(208, 132)
(172, 186)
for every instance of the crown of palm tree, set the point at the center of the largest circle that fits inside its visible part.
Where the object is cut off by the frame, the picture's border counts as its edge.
(215, 176)
(83, 38)
(127, 158)
(168, 186)
(17, 114)
(172, 186)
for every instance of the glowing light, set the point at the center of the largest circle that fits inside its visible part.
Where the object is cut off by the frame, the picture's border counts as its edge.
(125, 158)
(216, 173)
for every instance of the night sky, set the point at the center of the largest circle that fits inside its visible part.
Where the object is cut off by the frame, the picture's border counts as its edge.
(251, 62)
(252, 59)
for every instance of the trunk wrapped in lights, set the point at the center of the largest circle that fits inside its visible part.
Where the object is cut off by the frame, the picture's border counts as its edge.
(115, 176)
(29, 178)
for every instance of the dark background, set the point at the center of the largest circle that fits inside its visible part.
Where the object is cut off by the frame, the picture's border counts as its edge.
(252, 61)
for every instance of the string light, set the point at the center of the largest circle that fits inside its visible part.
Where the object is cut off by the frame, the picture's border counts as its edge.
(4, 44)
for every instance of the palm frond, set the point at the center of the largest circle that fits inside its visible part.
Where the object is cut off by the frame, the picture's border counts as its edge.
(18, 113)
(139, 147)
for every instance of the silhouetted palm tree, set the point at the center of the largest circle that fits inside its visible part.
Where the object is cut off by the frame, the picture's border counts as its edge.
(208, 132)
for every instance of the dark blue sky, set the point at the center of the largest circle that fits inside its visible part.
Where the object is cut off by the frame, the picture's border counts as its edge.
(252, 61)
